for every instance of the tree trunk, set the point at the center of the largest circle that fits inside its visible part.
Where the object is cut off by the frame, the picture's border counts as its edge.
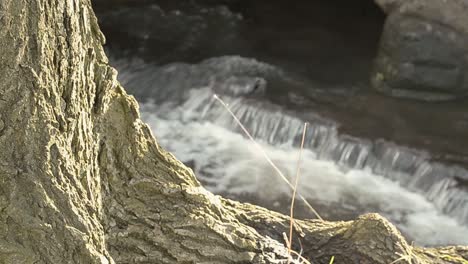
(82, 179)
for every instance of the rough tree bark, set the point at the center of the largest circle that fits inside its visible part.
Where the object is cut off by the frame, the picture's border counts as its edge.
(82, 179)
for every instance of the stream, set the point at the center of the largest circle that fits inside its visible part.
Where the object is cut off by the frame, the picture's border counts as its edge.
(341, 175)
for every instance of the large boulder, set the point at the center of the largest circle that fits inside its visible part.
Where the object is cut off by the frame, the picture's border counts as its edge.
(423, 52)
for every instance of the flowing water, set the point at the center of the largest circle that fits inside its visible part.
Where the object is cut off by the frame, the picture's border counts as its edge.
(342, 176)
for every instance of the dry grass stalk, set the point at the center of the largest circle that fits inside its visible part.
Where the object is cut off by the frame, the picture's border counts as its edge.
(288, 241)
(261, 150)
(298, 168)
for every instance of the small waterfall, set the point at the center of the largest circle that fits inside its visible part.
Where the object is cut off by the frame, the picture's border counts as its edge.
(271, 124)
(190, 88)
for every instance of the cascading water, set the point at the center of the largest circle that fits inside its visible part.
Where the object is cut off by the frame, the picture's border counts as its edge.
(342, 175)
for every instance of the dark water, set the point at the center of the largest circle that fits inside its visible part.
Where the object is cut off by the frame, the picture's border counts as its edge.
(277, 71)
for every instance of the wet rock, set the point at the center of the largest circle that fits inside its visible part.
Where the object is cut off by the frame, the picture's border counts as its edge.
(423, 50)
(228, 75)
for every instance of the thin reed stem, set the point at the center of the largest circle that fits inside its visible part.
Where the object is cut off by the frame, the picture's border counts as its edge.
(298, 169)
(259, 148)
